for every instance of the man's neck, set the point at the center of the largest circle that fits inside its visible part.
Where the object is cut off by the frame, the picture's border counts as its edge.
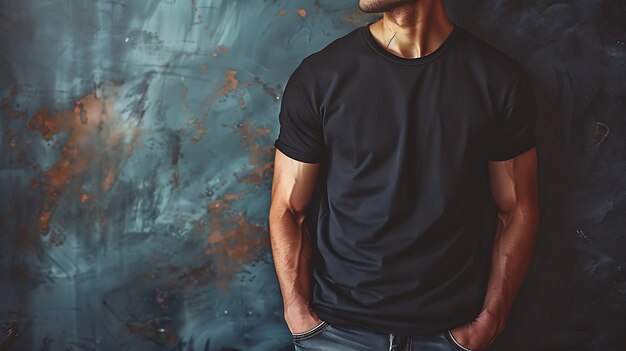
(413, 30)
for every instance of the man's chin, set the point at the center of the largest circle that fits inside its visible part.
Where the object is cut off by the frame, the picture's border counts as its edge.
(372, 6)
(368, 10)
(378, 6)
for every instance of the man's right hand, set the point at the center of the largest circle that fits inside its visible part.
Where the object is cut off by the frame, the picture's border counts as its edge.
(301, 319)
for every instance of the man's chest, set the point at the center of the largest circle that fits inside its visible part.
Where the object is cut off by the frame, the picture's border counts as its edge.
(369, 118)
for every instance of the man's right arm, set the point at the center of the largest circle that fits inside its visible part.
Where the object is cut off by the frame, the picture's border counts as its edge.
(292, 188)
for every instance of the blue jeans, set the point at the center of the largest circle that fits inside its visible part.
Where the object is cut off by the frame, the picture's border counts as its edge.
(326, 337)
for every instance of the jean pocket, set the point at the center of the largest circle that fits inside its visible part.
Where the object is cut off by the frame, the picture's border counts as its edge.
(320, 327)
(452, 341)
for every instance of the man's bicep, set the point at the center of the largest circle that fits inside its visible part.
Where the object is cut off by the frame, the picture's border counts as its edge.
(514, 181)
(293, 182)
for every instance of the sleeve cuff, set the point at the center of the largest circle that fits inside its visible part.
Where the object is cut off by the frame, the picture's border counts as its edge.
(518, 150)
(296, 154)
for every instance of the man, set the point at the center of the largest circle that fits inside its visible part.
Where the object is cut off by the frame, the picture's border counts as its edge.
(419, 138)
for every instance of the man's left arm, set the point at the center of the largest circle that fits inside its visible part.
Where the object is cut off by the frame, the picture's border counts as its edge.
(514, 187)
(512, 166)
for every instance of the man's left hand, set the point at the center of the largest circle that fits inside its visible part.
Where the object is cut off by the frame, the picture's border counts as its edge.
(479, 333)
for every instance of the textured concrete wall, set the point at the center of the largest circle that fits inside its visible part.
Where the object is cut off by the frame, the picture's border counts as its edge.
(136, 160)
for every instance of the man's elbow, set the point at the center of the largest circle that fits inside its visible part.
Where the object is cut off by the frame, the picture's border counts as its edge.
(528, 213)
(281, 210)
(520, 212)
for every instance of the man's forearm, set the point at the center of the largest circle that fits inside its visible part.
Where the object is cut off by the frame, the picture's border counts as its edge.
(291, 252)
(512, 252)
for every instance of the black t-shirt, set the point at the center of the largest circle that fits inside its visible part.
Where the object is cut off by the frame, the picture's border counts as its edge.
(405, 219)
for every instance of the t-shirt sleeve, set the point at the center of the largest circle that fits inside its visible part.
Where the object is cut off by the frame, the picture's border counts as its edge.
(301, 135)
(514, 131)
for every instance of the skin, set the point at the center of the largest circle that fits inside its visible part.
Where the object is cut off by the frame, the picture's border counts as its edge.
(409, 29)
(292, 188)
(419, 27)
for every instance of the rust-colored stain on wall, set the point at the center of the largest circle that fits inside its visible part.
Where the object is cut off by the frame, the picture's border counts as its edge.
(92, 142)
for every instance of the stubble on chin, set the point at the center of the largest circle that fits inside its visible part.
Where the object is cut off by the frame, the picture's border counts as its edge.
(378, 6)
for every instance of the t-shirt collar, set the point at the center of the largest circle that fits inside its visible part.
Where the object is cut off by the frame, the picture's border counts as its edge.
(371, 41)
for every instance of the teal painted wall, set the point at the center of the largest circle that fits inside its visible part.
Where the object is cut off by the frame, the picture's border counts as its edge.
(136, 161)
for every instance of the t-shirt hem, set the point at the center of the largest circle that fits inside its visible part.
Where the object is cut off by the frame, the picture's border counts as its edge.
(295, 154)
(334, 319)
